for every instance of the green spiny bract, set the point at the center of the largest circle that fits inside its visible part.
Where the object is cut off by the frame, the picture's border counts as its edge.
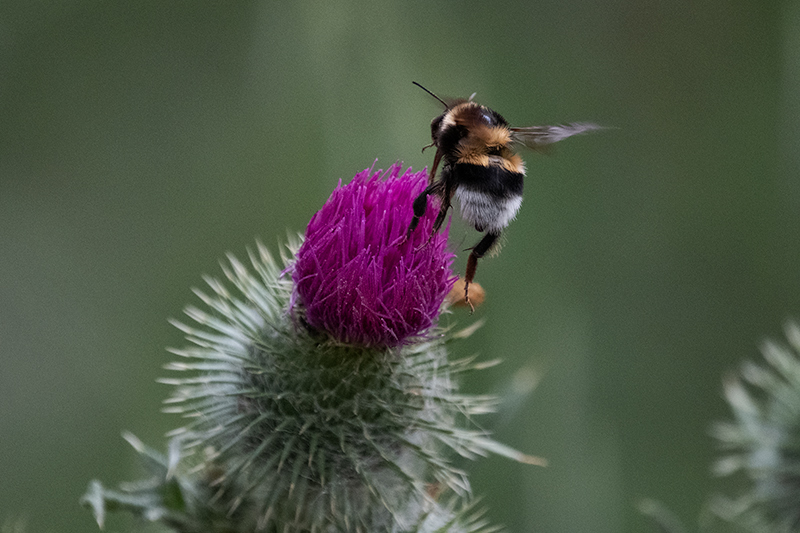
(300, 433)
(763, 441)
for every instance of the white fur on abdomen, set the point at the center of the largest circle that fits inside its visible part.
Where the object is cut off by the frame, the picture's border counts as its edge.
(486, 212)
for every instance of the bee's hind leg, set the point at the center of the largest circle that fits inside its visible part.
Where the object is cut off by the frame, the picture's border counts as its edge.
(478, 251)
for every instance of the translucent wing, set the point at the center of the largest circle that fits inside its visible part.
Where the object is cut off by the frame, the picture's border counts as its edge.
(537, 137)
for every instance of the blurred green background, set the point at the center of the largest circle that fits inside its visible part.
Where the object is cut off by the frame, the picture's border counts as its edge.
(140, 141)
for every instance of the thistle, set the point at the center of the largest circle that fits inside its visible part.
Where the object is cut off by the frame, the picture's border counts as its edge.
(319, 394)
(356, 275)
(763, 441)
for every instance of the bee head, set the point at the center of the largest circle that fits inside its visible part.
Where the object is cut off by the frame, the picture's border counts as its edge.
(468, 132)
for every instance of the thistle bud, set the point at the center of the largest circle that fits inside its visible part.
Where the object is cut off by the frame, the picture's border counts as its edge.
(319, 394)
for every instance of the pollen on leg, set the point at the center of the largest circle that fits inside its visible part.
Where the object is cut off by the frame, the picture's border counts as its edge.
(478, 251)
(477, 295)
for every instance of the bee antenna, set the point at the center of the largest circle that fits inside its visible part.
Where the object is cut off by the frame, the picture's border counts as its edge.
(430, 93)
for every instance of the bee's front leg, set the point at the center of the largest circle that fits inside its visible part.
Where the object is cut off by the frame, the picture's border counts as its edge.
(478, 251)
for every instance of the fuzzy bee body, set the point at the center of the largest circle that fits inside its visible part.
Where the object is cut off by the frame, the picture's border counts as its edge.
(481, 169)
(489, 196)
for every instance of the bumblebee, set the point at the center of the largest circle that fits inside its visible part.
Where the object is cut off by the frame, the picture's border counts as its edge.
(481, 169)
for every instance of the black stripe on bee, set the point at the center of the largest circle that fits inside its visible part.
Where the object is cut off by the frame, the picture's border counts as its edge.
(493, 180)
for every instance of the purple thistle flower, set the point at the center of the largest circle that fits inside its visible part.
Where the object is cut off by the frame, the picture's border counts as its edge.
(357, 276)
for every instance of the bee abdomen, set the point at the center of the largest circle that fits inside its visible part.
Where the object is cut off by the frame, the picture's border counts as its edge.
(489, 196)
(493, 180)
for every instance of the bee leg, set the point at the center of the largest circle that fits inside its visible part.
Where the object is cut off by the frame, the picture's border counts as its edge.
(445, 198)
(436, 159)
(444, 194)
(421, 203)
(478, 251)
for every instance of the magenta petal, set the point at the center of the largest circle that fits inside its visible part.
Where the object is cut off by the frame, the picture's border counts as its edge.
(356, 275)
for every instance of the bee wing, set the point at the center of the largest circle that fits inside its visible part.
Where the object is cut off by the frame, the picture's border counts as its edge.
(537, 137)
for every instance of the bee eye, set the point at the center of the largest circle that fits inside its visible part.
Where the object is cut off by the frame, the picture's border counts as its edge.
(436, 125)
(486, 119)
